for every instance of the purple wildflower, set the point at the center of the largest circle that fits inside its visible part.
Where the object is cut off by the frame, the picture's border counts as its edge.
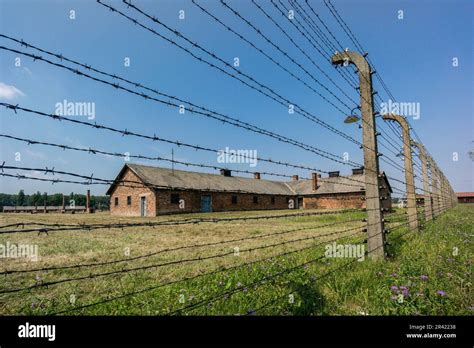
(424, 277)
(393, 275)
(440, 292)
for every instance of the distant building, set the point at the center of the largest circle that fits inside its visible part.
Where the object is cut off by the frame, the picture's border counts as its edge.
(151, 191)
(465, 197)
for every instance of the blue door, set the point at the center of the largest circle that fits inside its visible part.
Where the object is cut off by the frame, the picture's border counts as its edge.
(206, 204)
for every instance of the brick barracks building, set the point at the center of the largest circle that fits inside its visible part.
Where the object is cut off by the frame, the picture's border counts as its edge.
(465, 197)
(152, 191)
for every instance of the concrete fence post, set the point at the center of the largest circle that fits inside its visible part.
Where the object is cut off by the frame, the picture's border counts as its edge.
(88, 201)
(440, 192)
(442, 188)
(435, 179)
(375, 221)
(63, 208)
(426, 184)
(409, 178)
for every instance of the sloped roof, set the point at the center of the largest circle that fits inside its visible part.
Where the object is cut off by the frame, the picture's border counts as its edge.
(185, 180)
(338, 184)
(465, 194)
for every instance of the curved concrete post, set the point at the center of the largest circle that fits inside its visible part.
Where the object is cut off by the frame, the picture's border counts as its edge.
(426, 183)
(436, 198)
(409, 179)
(375, 224)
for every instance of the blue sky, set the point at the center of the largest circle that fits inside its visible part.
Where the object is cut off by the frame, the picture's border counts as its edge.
(414, 55)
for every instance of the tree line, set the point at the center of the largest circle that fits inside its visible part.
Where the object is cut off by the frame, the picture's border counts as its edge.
(55, 199)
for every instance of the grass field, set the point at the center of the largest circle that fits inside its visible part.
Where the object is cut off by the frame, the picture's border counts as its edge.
(428, 272)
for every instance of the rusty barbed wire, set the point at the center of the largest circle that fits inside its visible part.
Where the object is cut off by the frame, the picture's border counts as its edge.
(170, 263)
(269, 41)
(126, 132)
(265, 305)
(288, 36)
(285, 101)
(90, 227)
(342, 50)
(165, 250)
(226, 119)
(259, 282)
(357, 44)
(95, 151)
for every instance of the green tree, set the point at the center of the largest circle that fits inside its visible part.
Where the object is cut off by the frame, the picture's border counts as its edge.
(21, 199)
(37, 198)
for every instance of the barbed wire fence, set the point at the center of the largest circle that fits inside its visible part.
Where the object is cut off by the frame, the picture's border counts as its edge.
(422, 190)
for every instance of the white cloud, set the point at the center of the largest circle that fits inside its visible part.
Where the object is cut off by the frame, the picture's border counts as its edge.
(10, 92)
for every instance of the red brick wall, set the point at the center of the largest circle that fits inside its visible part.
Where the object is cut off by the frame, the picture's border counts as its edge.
(159, 202)
(164, 205)
(465, 199)
(223, 202)
(341, 201)
(135, 192)
(220, 202)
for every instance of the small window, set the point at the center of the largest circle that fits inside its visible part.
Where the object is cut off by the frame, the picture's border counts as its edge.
(273, 200)
(255, 199)
(174, 198)
(129, 200)
(287, 200)
(116, 201)
(234, 199)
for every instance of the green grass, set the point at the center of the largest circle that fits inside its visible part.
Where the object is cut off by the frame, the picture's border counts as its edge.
(432, 268)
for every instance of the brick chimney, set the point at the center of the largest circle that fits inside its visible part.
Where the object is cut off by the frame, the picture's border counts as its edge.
(358, 171)
(315, 181)
(295, 178)
(226, 172)
(88, 201)
(256, 176)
